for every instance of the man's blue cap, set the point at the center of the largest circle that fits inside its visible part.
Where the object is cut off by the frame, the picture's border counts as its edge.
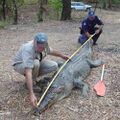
(91, 13)
(41, 38)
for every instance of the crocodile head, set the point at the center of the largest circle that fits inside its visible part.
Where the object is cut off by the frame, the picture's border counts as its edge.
(53, 95)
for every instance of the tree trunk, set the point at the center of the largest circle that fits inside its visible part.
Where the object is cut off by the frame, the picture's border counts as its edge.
(96, 4)
(15, 12)
(109, 3)
(104, 4)
(40, 12)
(45, 2)
(3, 9)
(66, 11)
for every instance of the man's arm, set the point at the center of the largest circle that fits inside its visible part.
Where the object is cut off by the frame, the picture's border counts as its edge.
(100, 24)
(99, 29)
(58, 54)
(29, 81)
(87, 34)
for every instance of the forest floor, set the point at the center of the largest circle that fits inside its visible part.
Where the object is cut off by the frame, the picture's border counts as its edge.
(63, 35)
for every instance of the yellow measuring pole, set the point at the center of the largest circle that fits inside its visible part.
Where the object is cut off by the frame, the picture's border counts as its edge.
(61, 69)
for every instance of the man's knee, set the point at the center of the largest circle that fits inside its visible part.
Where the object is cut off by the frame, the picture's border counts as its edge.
(36, 64)
(36, 68)
(48, 66)
(19, 68)
(82, 39)
(52, 66)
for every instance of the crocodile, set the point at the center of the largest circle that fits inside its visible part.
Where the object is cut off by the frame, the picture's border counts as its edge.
(72, 76)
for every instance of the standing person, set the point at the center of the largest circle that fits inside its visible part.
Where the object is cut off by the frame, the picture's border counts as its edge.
(90, 25)
(29, 61)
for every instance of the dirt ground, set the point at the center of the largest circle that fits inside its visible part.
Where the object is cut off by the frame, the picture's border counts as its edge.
(14, 101)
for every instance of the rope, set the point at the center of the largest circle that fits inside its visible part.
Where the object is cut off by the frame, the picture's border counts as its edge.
(61, 70)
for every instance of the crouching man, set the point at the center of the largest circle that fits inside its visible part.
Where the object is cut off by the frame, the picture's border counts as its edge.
(29, 61)
(90, 25)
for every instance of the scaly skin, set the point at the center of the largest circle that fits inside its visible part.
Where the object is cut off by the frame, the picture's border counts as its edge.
(73, 74)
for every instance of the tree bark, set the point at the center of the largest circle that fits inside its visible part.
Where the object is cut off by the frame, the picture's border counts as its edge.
(66, 11)
(104, 4)
(3, 9)
(45, 2)
(109, 3)
(40, 12)
(15, 12)
(96, 3)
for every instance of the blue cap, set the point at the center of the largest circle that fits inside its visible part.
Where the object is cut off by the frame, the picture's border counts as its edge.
(41, 38)
(91, 13)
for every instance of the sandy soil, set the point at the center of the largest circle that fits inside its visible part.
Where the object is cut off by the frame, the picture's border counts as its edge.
(14, 102)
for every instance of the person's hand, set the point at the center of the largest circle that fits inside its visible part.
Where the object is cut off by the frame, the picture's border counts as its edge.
(97, 31)
(65, 57)
(33, 100)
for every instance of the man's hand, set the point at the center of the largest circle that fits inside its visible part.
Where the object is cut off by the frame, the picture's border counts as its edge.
(97, 31)
(29, 81)
(33, 100)
(88, 34)
(58, 54)
(65, 57)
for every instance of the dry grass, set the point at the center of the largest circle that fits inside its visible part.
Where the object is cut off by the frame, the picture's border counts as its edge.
(14, 101)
